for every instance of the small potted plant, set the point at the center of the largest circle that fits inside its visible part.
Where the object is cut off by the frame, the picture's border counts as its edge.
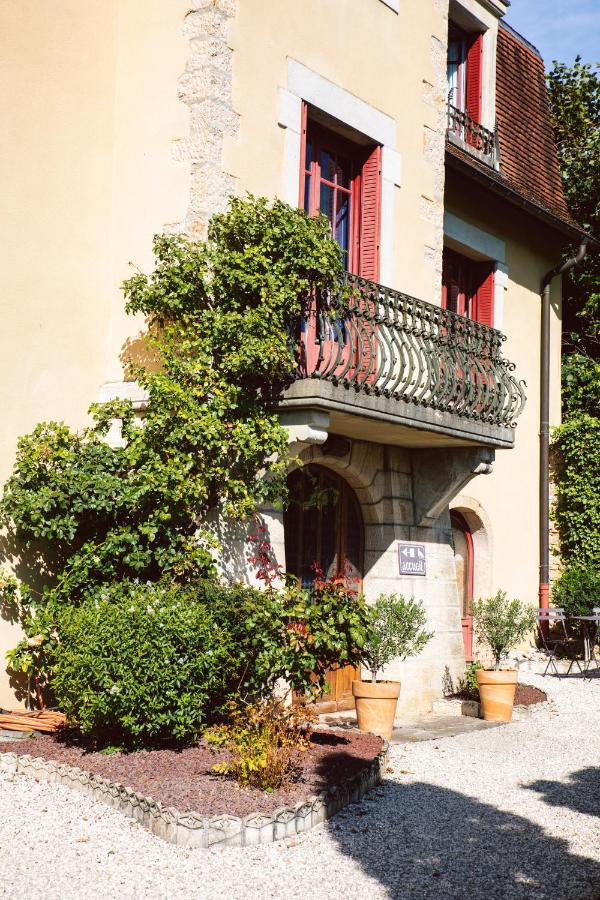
(501, 624)
(395, 631)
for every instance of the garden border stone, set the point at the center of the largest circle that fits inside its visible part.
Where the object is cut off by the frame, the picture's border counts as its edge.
(190, 829)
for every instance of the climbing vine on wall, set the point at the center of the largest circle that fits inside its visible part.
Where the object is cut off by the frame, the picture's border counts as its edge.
(82, 513)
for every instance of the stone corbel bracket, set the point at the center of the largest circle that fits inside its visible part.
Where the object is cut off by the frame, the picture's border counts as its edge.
(439, 475)
(190, 829)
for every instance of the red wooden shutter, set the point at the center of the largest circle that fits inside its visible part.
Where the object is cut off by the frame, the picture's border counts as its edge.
(474, 60)
(370, 216)
(485, 295)
(303, 125)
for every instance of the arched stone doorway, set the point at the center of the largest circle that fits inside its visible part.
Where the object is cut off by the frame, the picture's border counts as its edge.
(323, 526)
(464, 562)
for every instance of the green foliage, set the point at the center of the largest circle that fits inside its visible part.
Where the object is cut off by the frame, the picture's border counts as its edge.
(577, 591)
(135, 664)
(580, 385)
(574, 93)
(502, 623)
(577, 478)
(263, 740)
(220, 315)
(468, 685)
(396, 630)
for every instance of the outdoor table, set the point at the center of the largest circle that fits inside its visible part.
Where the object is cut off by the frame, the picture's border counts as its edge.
(587, 644)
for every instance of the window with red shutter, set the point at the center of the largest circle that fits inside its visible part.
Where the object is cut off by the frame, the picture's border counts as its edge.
(468, 287)
(342, 180)
(473, 77)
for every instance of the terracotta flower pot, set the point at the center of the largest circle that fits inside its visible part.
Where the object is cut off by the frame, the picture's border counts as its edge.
(376, 706)
(497, 693)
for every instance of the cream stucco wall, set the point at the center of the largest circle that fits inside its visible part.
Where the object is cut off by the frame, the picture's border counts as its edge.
(393, 62)
(509, 496)
(89, 170)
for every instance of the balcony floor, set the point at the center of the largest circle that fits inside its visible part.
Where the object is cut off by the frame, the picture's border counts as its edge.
(361, 416)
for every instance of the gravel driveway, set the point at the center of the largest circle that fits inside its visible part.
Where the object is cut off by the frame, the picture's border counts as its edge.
(502, 813)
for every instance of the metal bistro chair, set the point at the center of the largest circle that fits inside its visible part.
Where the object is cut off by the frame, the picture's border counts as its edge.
(593, 636)
(552, 644)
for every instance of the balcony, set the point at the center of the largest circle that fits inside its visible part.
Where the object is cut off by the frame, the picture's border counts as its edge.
(393, 369)
(469, 135)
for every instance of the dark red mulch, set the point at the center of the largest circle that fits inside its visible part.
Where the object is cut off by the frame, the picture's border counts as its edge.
(183, 778)
(525, 695)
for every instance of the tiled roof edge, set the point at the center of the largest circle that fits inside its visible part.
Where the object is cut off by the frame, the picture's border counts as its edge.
(522, 40)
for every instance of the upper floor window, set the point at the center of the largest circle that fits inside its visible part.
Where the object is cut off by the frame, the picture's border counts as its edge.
(468, 287)
(465, 89)
(341, 178)
(464, 71)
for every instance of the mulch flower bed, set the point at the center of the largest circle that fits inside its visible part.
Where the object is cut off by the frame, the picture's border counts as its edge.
(183, 778)
(525, 695)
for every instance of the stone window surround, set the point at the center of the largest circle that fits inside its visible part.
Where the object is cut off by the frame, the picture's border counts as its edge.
(483, 16)
(303, 84)
(468, 237)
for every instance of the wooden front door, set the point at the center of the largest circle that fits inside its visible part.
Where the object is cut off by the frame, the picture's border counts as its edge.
(323, 527)
(463, 560)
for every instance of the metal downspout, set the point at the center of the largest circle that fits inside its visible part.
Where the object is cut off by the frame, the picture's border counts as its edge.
(544, 470)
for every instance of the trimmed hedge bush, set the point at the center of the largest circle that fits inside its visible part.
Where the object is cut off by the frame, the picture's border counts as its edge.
(136, 664)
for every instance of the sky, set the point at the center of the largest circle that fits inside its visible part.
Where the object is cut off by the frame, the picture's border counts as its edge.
(560, 29)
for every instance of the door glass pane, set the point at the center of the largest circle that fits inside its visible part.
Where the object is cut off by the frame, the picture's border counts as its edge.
(343, 171)
(328, 166)
(326, 202)
(308, 159)
(342, 225)
(461, 561)
(329, 518)
(307, 183)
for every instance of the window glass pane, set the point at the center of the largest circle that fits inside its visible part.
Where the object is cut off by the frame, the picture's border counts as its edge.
(308, 159)
(307, 182)
(342, 221)
(328, 165)
(343, 171)
(326, 202)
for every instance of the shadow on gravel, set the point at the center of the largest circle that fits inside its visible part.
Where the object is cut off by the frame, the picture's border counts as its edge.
(581, 792)
(420, 840)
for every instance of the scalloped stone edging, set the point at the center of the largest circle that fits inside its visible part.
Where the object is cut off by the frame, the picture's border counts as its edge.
(190, 829)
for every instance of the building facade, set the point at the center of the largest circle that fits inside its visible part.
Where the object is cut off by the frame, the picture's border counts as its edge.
(421, 129)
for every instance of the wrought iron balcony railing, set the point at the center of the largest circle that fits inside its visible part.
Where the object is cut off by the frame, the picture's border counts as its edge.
(471, 133)
(386, 343)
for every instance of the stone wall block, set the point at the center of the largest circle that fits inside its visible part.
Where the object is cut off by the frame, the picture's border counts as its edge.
(319, 808)
(303, 813)
(225, 831)
(284, 822)
(259, 828)
(192, 830)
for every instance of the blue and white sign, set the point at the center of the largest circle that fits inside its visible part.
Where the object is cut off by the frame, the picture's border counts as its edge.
(412, 559)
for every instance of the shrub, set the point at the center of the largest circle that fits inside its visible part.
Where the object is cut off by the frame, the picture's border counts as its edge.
(577, 476)
(135, 665)
(577, 591)
(263, 739)
(502, 623)
(467, 684)
(395, 630)
(289, 634)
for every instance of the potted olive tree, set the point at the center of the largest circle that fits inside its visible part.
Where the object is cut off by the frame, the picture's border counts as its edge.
(501, 624)
(396, 630)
